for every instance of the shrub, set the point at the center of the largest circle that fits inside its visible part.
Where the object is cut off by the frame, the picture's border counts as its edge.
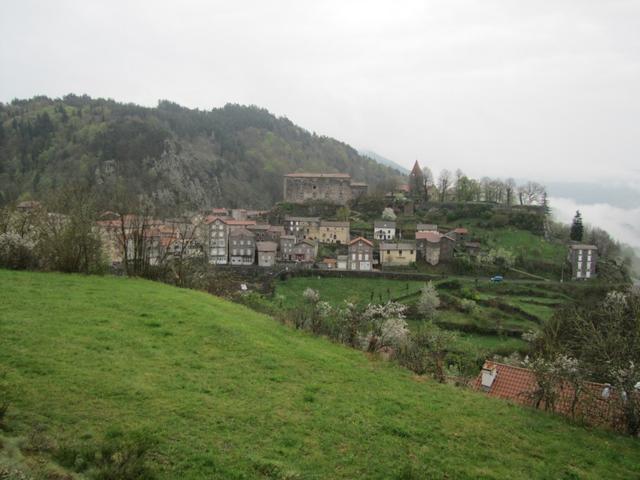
(468, 306)
(16, 252)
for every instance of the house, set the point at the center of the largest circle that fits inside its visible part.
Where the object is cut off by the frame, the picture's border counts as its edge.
(384, 230)
(217, 240)
(242, 247)
(583, 259)
(428, 246)
(287, 242)
(266, 253)
(460, 234)
(595, 403)
(239, 224)
(333, 232)
(426, 227)
(274, 232)
(447, 247)
(304, 251)
(360, 254)
(397, 254)
(260, 230)
(302, 227)
(342, 262)
(328, 264)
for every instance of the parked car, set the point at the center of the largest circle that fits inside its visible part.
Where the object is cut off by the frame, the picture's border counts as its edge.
(497, 278)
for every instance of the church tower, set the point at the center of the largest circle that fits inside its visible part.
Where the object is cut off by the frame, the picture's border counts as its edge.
(416, 180)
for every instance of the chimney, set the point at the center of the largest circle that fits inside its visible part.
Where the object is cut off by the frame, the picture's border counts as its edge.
(488, 376)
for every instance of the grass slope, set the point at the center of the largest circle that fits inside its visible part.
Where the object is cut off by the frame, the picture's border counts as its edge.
(230, 393)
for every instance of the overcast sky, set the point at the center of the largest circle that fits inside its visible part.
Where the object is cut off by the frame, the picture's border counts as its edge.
(531, 89)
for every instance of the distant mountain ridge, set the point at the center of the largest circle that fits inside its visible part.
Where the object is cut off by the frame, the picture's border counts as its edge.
(384, 161)
(231, 156)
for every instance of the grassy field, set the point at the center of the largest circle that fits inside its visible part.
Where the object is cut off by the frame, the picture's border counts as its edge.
(230, 393)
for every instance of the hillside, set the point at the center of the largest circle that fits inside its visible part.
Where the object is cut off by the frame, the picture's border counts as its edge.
(229, 393)
(233, 156)
(384, 161)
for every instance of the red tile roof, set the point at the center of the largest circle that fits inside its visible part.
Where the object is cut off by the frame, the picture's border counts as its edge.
(355, 240)
(520, 385)
(461, 230)
(430, 236)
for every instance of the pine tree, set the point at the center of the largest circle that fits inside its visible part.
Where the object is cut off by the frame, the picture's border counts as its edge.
(577, 229)
(545, 204)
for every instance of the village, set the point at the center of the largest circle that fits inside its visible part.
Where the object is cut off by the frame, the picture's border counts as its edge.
(242, 237)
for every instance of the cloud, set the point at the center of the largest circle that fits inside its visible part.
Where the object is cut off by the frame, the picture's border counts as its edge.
(623, 224)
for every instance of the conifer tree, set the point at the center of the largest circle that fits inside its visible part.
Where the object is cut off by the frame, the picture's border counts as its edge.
(577, 229)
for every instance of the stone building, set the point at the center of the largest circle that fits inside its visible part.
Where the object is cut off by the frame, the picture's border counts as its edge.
(305, 251)
(287, 242)
(397, 254)
(302, 227)
(447, 248)
(266, 253)
(260, 230)
(333, 232)
(328, 187)
(583, 259)
(428, 246)
(360, 254)
(217, 238)
(274, 232)
(242, 247)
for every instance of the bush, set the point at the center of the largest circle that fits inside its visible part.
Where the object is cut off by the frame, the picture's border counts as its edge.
(468, 306)
(16, 252)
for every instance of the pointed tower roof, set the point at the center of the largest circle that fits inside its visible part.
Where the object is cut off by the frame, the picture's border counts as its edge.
(416, 170)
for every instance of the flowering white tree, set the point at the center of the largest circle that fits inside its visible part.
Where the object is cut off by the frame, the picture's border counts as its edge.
(388, 214)
(387, 326)
(429, 301)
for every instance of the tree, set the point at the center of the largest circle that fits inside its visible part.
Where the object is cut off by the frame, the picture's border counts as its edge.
(429, 182)
(577, 228)
(510, 189)
(388, 214)
(386, 326)
(531, 193)
(444, 182)
(343, 214)
(426, 349)
(429, 301)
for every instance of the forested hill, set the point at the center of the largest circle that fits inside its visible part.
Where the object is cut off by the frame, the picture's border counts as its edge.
(231, 156)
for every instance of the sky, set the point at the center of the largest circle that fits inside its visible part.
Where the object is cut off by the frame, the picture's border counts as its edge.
(546, 90)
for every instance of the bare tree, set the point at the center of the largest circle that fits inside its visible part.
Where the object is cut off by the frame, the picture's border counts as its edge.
(510, 190)
(444, 182)
(429, 182)
(531, 193)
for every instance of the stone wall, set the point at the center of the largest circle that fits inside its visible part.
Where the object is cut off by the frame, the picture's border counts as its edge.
(329, 189)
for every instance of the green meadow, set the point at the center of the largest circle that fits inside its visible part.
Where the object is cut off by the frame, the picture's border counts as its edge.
(229, 393)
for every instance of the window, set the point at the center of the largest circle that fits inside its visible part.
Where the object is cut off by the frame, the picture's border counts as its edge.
(410, 252)
(353, 257)
(388, 252)
(366, 256)
(360, 256)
